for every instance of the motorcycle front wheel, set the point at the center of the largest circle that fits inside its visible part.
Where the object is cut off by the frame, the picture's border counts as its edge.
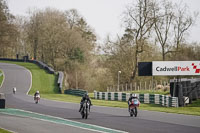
(135, 112)
(131, 112)
(86, 113)
(83, 115)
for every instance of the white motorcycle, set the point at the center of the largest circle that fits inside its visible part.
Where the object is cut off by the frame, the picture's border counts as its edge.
(14, 90)
(85, 109)
(37, 98)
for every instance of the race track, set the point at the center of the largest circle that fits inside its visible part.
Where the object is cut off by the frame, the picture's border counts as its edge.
(105, 117)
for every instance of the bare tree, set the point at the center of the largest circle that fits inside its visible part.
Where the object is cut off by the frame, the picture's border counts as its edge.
(183, 21)
(164, 16)
(72, 17)
(139, 21)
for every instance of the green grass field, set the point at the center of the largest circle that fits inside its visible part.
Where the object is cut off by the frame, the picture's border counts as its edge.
(4, 131)
(46, 84)
(1, 77)
(41, 80)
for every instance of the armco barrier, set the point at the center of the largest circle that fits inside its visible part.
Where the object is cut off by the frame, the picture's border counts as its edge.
(163, 100)
(43, 66)
(39, 63)
(77, 92)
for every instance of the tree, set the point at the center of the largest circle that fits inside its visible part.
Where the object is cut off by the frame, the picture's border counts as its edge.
(33, 32)
(189, 51)
(72, 17)
(119, 58)
(62, 41)
(164, 17)
(139, 21)
(8, 31)
(22, 46)
(182, 22)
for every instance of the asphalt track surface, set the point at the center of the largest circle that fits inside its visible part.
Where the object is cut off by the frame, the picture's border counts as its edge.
(114, 118)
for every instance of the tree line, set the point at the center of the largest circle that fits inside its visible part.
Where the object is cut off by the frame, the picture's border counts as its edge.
(154, 30)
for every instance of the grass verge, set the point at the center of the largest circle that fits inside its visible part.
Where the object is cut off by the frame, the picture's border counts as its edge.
(46, 84)
(1, 77)
(41, 80)
(4, 131)
(192, 109)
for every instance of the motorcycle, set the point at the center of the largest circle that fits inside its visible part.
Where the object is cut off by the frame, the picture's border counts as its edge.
(37, 98)
(133, 107)
(85, 109)
(14, 90)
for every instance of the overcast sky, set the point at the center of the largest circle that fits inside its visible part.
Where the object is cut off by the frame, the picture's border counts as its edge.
(104, 16)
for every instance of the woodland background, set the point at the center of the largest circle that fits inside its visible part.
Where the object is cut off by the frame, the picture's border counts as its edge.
(154, 31)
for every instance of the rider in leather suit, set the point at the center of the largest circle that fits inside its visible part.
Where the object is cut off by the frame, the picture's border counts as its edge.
(85, 97)
(132, 96)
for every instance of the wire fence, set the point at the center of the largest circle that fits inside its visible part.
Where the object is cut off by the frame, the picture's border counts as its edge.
(138, 86)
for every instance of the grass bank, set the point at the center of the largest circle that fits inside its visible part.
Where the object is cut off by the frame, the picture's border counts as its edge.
(46, 84)
(1, 77)
(41, 80)
(4, 131)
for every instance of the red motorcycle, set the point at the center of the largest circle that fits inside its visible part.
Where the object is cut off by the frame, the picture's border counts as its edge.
(133, 107)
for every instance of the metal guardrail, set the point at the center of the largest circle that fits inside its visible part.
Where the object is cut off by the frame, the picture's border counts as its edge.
(76, 92)
(39, 63)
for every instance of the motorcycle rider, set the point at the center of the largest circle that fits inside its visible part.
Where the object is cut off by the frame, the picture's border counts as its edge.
(14, 90)
(132, 96)
(85, 97)
(36, 93)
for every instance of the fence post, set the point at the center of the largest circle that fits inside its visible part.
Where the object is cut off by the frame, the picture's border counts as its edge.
(152, 84)
(149, 85)
(135, 86)
(131, 87)
(156, 83)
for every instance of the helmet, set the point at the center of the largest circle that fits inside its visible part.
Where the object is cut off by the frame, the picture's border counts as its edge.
(134, 95)
(85, 95)
(37, 92)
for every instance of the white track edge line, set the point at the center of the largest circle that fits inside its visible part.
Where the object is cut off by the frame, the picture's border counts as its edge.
(8, 130)
(69, 120)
